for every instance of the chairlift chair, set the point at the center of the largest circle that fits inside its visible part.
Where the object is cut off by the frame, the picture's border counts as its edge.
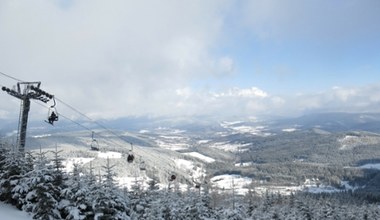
(52, 114)
(94, 143)
(172, 177)
(131, 157)
(142, 166)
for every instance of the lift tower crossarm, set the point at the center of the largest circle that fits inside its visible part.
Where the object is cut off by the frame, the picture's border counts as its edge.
(26, 91)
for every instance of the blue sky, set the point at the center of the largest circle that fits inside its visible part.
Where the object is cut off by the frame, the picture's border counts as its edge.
(184, 58)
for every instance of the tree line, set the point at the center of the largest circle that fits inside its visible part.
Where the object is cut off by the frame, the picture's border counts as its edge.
(37, 184)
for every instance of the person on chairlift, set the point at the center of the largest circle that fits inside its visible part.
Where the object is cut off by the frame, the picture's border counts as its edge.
(53, 117)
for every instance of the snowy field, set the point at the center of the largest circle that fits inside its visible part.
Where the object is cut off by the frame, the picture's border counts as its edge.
(231, 182)
(201, 157)
(69, 163)
(172, 145)
(246, 164)
(349, 141)
(229, 147)
(237, 127)
(8, 212)
(109, 154)
(375, 166)
(289, 129)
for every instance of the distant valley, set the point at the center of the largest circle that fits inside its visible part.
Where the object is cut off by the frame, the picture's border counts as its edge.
(305, 153)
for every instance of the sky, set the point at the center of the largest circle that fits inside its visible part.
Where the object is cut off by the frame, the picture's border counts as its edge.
(123, 58)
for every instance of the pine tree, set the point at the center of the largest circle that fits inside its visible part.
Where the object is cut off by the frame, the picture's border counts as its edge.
(59, 179)
(40, 198)
(108, 202)
(12, 170)
(76, 193)
(20, 191)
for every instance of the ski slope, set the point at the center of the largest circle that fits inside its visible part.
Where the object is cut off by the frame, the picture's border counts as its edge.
(12, 213)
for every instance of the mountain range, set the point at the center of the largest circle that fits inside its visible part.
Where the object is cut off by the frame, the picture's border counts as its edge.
(328, 147)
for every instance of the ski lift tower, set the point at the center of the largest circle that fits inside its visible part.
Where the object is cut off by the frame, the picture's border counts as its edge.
(26, 91)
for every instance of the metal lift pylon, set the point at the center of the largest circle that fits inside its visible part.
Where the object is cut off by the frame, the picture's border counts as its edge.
(25, 91)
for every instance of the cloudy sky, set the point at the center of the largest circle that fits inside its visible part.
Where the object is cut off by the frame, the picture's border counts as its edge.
(118, 58)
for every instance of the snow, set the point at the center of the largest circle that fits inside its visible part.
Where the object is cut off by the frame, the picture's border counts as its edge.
(144, 131)
(172, 146)
(188, 167)
(289, 129)
(109, 154)
(172, 137)
(246, 164)
(226, 123)
(231, 182)
(12, 213)
(311, 186)
(69, 163)
(347, 141)
(183, 164)
(375, 166)
(131, 181)
(238, 128)
(203, 141)
(230, 147)
(350, 141)
(201, 156)
(41, 136)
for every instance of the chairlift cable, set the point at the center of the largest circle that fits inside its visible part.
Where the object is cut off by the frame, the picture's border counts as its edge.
(11, 77)
(79, 124)
(77, 111)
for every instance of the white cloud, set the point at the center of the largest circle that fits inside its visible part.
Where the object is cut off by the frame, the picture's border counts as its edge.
(246, 93)
(230, 102)
(111, 59)
(340, 99)
(142, 57)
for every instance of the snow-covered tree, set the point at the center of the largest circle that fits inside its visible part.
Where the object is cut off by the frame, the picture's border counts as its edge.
(40, 191)
(78, 203)
(108, 200)
(14, 166)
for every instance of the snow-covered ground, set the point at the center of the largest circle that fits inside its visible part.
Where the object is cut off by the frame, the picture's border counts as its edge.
(190, 168)
(328, 189)
(289, 129)
(231, 182)
(172, 146)
(200, 156)
(238, 127)
(350, 141)
(246, 164)
(8, 212)
(230, 147)
(128, 182)
(375, 166)
(41, 136)
(241, 186)
(110, 155)
(69, 163)
(203, 141)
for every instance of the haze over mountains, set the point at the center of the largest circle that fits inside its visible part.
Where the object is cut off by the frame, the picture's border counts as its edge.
(193, 148)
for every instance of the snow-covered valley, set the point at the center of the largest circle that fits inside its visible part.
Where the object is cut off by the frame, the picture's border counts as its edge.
(233, 160)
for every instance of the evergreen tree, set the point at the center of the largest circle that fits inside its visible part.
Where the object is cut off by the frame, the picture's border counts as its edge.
(108, 202)
(20, 191)
(41, 195)
(13, 167)
(76, 193)
(59, 179)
